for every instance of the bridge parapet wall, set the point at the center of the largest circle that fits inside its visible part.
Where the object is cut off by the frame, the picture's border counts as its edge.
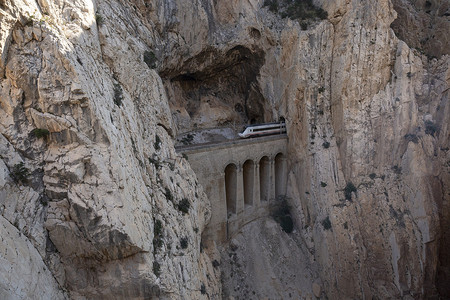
(242, 179)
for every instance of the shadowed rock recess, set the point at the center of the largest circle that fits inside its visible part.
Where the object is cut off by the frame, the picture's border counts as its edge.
(216, 88)
(96, 202)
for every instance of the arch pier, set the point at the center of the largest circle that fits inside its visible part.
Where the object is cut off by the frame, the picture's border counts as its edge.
(242, 179)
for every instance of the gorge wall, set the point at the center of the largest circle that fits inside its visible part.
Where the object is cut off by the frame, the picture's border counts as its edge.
(100, 203)
(94, 196)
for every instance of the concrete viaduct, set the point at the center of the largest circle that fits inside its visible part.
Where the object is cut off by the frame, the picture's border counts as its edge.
(242, 179)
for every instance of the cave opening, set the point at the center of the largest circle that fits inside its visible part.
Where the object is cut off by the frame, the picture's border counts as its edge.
(217, 89)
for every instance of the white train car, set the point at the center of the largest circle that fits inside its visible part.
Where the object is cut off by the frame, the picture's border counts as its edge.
(263, 129)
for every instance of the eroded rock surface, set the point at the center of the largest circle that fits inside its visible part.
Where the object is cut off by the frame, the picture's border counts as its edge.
(264, 273)
(23, 274)
(102, 170)
(423, 25)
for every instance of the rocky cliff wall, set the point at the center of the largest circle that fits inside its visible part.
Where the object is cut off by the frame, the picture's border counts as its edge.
(113, 83)
(99, 190)
(373, 113)
(367, 132)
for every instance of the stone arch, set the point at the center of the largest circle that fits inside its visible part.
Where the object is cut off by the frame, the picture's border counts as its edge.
(231, 162)
(264, 178)
(231, 188)
(280, 175)
(249, 178)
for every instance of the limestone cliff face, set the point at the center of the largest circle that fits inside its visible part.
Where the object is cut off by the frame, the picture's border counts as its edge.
(372, 112)
(96, 193)
(423, 25)
(101, 200)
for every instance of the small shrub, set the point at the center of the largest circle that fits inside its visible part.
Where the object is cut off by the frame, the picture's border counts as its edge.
(323, 184)
(43, 200)
(372, 175)
(409, 74)
(157, 143)
(301, 10)
(184, 206)
(150, 59)
(282, 216)
(118, 94)
(185, 156)
(303, 25)
(184, 242)
(326, 145)
(158, 228)
(215, 263)
(321, 13)
(321, 89)
(345, 225)
(157, 235)
(30, 20)
(410, 137)
(187, 139)
(168, 194)
(99, 19)
(20, 173)
(171, 166)
(157, 244)
(272, 4)
(155, 162)
(430, 128)
(156, 269)
(203, 289)
(326, 223)
(304, 9)
(348, 190)
(40, 132)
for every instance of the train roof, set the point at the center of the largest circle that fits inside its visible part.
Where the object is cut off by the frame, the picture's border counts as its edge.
(264, 124)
